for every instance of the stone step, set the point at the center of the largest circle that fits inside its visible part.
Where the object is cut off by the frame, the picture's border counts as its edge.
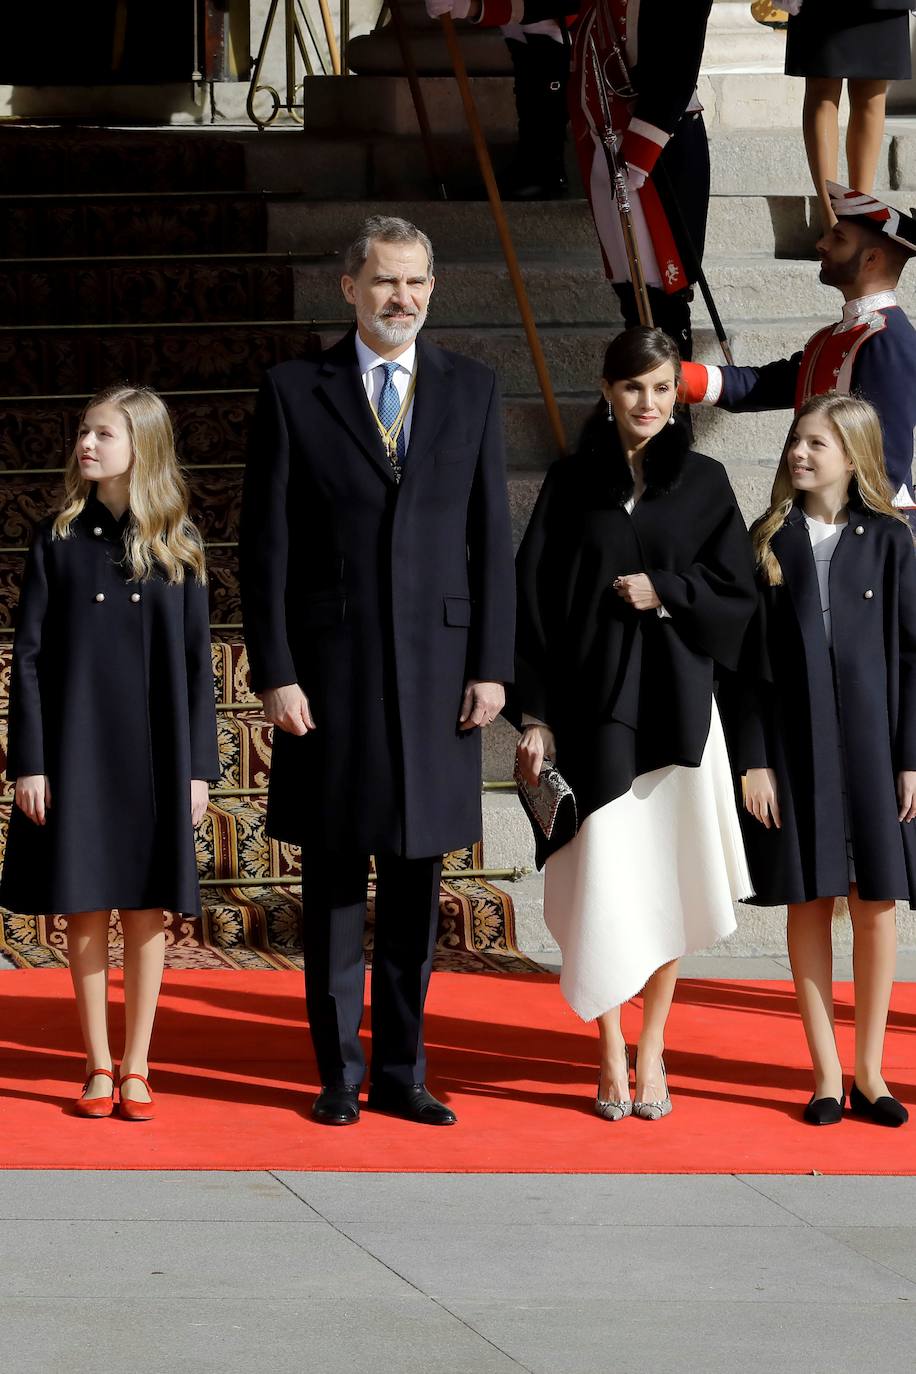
(78, 360)
(455, 226)
(752, 287)
(166, 289)
(382, 104)
(574, 291)
(49, 225)
(41, 159)
(735, 42)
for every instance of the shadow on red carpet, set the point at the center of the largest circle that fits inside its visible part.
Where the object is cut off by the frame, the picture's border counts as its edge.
(234, 1078)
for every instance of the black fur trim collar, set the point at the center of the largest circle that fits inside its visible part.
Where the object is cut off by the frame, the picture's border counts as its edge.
(663, 461)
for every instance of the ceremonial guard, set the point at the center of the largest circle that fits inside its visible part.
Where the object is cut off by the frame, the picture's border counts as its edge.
(537, 38)
(871, 350)
(646, 54)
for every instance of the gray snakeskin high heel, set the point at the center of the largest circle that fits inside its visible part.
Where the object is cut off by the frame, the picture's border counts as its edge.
(611, 1109)
(654, 1111)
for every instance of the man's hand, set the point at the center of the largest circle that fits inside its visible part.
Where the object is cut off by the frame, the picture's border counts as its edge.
(760, 797)
(288, 709)
(637, 591)
(481, 704)
(33, 796)
(906, 796)
(535, 742)
(458, 9)
(200, 796)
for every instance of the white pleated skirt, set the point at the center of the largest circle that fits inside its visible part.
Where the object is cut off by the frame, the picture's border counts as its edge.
(651, 876)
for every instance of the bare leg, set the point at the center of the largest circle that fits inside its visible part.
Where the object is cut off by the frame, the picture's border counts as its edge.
(657, 997)
(614, 1082)
(87, 954)
(821, 128)
(144, 957)
(874, 931)
(811, 955)
(867, 101)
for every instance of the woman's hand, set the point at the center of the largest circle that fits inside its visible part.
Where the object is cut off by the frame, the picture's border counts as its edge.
(906, 795)
(200, 796)
(760, 796)
(535, 744)
(33, 796)
(637, 591)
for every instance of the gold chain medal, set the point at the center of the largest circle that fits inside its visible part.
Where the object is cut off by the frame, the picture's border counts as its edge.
(390, 434)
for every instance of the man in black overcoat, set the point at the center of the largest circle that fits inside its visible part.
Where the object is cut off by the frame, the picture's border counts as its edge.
(378, 597)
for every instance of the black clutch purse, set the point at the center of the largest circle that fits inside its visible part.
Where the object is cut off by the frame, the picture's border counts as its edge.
(547, 799)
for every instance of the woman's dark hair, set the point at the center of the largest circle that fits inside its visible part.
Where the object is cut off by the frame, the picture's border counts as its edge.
(639, 350)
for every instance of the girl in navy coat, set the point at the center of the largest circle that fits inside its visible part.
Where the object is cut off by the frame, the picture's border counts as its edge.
(826, 730)
(112, 723)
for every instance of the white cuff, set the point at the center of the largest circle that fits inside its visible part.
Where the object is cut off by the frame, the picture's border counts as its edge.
(713, 386)
(662, 613)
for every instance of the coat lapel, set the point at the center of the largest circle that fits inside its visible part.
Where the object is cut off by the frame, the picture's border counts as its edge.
(342, 388)
(431, 402)
(792, 547)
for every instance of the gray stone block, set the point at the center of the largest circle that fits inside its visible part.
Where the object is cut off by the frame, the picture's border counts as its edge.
(757, 160)
(569, 1335)
(190, 1261)
(168, 1195)
(834, 1202)
(750, 1265)
(518, 1201)
(334, 1331)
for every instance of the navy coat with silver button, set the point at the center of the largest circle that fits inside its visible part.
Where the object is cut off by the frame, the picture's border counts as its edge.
(781, 714)
(112, 698)
(380, 599)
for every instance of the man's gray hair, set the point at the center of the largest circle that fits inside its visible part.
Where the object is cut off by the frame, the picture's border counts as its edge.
(384, 229)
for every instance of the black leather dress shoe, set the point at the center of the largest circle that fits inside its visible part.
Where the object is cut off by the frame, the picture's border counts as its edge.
(337, 1106)
(884, 1111)
(824, 1111)
(413, 1104)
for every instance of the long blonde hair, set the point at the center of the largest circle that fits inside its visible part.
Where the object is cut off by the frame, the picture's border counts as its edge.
(160, 532)
(858, 429)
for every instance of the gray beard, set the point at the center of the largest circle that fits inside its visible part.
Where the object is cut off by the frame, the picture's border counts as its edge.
(390, 332)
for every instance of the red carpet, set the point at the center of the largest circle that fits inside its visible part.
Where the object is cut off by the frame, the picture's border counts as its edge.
(234, 1079)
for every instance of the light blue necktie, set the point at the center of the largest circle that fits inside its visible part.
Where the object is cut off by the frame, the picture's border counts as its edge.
(389, 403)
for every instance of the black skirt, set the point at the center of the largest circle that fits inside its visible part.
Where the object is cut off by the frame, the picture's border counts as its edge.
(845, 38)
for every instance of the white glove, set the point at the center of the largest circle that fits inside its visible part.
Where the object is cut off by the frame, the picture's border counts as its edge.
(636, 177)
(458, 9)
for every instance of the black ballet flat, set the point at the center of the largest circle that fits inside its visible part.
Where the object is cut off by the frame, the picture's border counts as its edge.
(824, 1111)
(884, 1111)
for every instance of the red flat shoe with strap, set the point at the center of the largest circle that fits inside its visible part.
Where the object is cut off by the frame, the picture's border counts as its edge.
(136, 1111)
(95, 1107)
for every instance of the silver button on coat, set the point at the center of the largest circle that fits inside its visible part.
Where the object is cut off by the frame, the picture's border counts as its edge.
(869, 594)
(100, 596)
(97, 531)
(860, 529)
(135, 596)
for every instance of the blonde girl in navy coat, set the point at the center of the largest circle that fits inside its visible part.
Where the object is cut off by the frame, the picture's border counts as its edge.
(112, 723)
(826, 731)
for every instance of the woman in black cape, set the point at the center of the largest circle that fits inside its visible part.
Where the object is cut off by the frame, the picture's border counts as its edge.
(635, 578)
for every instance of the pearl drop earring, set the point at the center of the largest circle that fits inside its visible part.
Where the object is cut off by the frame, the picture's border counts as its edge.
(671, 418)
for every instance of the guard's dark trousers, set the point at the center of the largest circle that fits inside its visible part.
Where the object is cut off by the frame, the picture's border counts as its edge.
(334, 918)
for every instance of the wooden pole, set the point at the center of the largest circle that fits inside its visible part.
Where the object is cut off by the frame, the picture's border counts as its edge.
(330, 36)
(419, 101)
(502, 229)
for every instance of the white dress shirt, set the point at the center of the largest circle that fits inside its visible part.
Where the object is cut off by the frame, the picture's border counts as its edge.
(371, 368)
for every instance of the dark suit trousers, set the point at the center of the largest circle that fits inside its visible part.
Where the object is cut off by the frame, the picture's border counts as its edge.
(334, 918)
